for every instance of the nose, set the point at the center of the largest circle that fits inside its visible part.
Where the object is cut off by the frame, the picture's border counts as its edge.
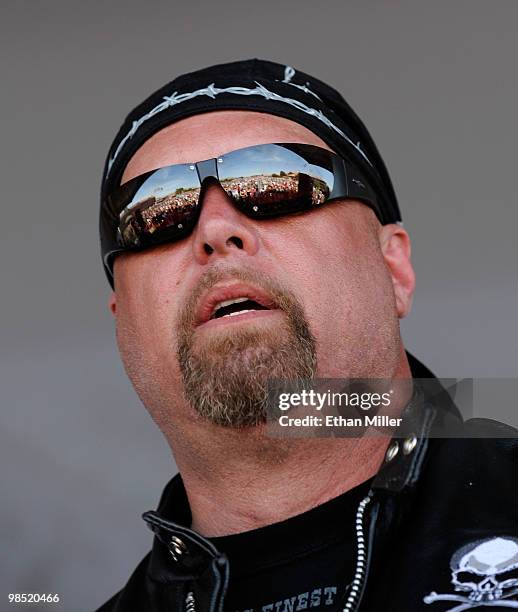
(222, 230)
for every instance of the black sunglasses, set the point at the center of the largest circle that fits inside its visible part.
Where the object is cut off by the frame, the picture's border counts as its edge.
(262, 181)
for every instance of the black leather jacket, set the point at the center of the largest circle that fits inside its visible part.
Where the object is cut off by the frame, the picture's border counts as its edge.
(438, 531)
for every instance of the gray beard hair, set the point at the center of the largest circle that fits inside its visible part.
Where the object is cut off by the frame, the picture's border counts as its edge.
(226, 380)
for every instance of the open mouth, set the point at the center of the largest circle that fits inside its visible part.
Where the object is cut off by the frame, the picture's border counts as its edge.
(237, 306)
(238, 301)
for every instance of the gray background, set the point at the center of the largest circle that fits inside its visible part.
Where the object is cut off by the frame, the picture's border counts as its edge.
(436, 84)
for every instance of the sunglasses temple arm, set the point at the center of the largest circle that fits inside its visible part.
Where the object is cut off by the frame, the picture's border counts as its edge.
(349, 182)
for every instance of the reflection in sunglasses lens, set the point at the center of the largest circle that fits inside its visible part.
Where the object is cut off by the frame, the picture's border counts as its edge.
(262, 180)
(273, 179)
(297, 191)
(156, 214)
(164, 203)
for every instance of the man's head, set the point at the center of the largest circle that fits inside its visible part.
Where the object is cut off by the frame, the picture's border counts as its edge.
(335, 280)
(324, 289)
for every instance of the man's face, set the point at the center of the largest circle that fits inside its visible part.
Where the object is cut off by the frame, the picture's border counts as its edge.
(331, 284)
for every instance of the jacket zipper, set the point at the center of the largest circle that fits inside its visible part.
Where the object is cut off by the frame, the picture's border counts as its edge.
(190, 604)
(361, 558)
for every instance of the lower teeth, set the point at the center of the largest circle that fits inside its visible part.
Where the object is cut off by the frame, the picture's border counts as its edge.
(233, 314)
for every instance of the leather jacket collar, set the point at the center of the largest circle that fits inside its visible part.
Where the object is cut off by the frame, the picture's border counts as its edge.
(180, 554)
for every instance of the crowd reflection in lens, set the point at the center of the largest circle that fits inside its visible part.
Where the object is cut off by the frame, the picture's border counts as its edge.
(264, 189)
(154, 213)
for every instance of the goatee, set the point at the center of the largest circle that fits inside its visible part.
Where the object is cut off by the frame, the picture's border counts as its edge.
(226, 376)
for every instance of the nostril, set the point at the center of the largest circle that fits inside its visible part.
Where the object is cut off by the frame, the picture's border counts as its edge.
(232, 241)
(237, 241)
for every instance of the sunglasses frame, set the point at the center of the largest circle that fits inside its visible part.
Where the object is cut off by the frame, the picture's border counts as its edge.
(349, 183)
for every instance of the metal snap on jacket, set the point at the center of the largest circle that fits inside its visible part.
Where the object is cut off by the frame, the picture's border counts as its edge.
(409, 444)
(177, 548)
(392, 451)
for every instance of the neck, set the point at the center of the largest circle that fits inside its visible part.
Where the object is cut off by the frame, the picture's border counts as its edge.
(239, 480)
(270, 484)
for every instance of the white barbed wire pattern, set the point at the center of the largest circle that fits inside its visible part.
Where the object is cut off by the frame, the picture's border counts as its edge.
(212, 91)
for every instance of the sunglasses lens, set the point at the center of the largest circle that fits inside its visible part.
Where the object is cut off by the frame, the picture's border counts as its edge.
(274, 179)
(162, 206)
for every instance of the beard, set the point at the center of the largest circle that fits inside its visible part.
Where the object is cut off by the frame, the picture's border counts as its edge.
(226, 376)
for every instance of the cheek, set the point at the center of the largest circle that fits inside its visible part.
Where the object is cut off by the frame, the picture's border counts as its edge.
(319, 262)
(338, 272)
(146, 303)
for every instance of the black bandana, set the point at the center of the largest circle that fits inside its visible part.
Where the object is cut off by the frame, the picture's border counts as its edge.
(263, 86)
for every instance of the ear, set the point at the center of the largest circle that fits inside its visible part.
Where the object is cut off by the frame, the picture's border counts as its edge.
(112, 303)
(395, 246)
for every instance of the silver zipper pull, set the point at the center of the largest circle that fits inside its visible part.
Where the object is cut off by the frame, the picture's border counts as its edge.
(190, 604)
(359, 574)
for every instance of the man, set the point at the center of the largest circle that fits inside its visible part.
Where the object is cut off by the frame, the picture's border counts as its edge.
(250, 231)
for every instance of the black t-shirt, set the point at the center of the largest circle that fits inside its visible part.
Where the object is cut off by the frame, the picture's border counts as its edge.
(306, 562)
